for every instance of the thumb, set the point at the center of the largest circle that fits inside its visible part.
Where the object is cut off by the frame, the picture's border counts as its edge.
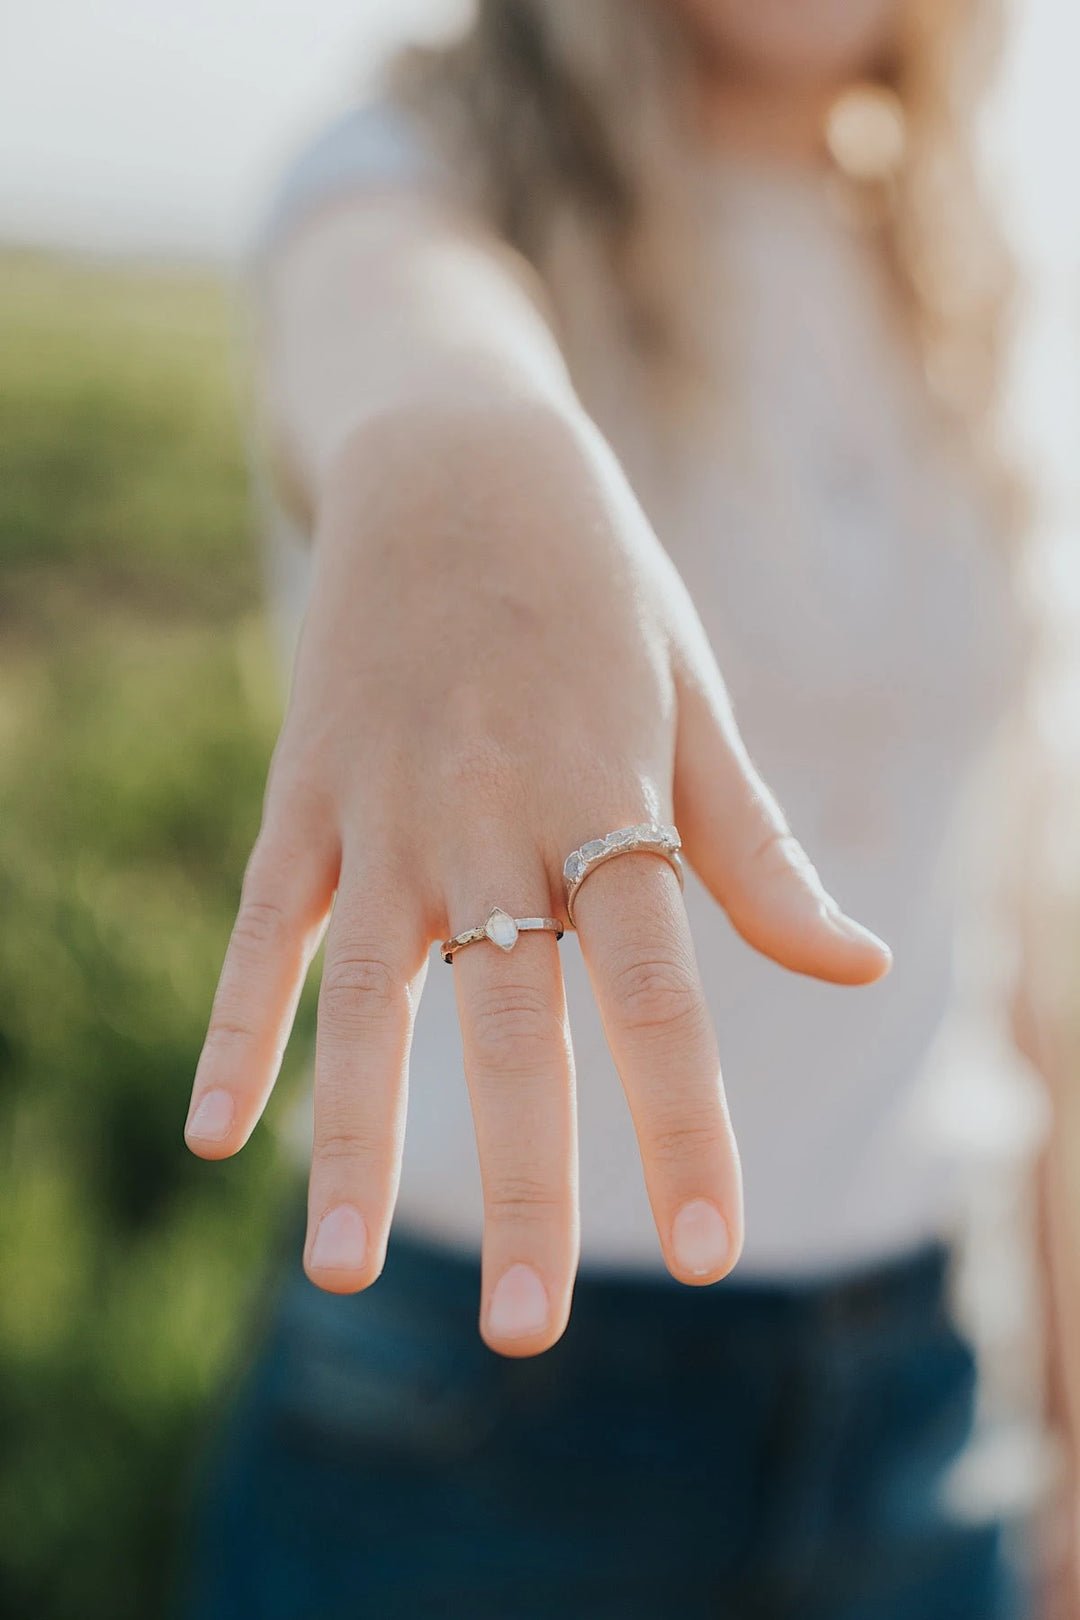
(737, 840)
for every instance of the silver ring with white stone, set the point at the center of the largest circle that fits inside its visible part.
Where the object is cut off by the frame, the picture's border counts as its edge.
(502, 930)
(652, 837)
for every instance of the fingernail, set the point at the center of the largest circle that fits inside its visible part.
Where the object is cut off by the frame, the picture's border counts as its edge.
(213, 1118)
(519, 1304)
(851, 930)
(700, 1240)
(340, 1242)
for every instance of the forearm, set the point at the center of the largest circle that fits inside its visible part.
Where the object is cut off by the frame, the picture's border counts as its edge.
(381, 306)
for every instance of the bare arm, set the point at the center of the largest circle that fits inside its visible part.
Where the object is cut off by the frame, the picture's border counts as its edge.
(498, 663)
(395, 306)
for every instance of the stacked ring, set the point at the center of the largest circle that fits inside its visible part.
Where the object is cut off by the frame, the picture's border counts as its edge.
(502, 930)
(651, 837)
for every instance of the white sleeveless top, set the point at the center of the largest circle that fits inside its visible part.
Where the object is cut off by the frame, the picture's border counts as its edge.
(859, 607)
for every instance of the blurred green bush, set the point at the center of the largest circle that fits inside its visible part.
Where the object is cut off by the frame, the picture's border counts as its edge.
(137, 711)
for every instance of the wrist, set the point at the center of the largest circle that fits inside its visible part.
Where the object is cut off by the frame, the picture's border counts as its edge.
(426, 464)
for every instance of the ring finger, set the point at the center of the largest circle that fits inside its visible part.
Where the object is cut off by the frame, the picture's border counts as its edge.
(636, 941)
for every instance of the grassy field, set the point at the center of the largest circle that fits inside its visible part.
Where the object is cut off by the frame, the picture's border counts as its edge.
(137, 710)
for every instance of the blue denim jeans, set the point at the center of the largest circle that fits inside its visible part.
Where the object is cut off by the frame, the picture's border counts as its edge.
(745, 1452)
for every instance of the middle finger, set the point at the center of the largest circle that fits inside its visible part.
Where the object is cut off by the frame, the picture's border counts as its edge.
(520, 1070)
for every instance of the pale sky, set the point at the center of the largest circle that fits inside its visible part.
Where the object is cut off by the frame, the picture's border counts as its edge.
(156, 126)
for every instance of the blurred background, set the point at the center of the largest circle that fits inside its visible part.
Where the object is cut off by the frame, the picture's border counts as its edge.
(138, 703)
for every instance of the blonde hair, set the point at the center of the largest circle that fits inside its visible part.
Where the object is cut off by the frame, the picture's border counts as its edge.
(567, 122)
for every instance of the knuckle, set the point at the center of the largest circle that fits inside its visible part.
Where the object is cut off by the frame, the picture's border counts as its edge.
(521, 1199)
(260, 924)
(781, 858)
(479, 763)
(357, 990)
(345, 1144)
(675, 1140)
(226, 1034)
(513, 1027)
(659, 994)
(775, 866)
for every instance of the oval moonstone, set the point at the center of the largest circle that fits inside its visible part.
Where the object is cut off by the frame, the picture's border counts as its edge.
(501, 929)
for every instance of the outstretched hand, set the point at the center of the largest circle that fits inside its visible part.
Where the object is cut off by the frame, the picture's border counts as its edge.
(498, 663)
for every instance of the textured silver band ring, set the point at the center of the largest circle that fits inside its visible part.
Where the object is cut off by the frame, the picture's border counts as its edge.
(650, 836)
(502, 930)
